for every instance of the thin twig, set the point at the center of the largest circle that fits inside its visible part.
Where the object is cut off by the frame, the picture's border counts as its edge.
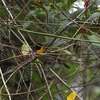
(5, 84)
(7, 9)
(16, 23)
(62, 80)
(18, 68)
(58, 36)
(23, 93)
(48, 87)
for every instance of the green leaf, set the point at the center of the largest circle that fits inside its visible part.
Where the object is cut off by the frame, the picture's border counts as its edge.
(68, 3)
(3, 12)
(95, 38)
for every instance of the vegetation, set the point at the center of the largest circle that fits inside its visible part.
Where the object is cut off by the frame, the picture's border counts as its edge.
(49, 49)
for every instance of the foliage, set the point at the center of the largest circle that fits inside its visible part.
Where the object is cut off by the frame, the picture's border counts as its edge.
(49, 48)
